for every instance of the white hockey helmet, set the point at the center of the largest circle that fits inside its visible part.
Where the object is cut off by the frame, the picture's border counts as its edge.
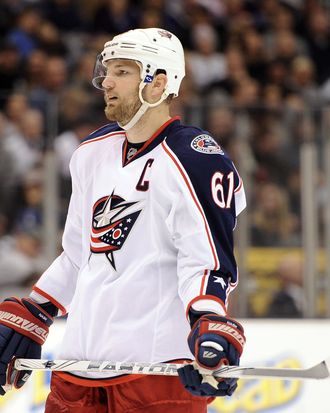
(154, 49)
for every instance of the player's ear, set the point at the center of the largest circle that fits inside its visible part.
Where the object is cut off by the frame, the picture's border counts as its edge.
(158, 86)
(160, 80)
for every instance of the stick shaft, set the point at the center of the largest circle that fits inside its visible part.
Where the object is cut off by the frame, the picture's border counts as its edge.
(319, 371)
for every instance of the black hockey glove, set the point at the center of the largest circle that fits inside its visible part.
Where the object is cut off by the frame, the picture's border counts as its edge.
(24, 328)
(214, 341)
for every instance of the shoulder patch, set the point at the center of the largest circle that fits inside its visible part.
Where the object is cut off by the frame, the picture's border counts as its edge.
(206, 144)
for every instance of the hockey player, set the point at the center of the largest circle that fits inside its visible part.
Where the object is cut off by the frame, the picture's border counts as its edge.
(147, 263)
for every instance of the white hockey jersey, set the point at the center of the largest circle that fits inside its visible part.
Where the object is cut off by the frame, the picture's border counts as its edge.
(144, 240)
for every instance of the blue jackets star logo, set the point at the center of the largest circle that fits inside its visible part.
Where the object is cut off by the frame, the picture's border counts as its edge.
(111, 225)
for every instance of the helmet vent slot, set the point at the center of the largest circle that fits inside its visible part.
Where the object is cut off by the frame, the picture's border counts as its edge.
(149, 49)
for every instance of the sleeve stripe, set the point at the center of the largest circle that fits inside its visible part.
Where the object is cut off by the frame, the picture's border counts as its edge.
(199, 207)
(50, 298)
(204, 283)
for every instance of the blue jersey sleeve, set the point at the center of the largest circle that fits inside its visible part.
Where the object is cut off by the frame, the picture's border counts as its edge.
(220, 194)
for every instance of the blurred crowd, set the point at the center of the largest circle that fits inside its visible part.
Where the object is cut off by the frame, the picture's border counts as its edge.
(258, 77)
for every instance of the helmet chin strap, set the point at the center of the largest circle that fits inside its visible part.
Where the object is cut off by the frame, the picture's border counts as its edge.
(143, 108)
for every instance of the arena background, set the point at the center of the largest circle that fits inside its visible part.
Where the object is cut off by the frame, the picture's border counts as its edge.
(258, 79)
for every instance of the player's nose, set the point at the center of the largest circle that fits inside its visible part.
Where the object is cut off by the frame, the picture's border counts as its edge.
(108, 83)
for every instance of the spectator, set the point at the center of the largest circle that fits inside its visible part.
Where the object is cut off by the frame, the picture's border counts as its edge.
(114, 16)
(255, 55)
(64, 14)
(67, 142)
(272, 97)
(170, 16)
(84, 71)
(25, 146)
(197, 14)
(24, 35)
(9, 69)
(220, 122)
(21, 262)
(237, 20)
(317, 32)
(285, 47)
(52, 85)
(57, 74)
(246, 94)
(16, 105)
(288, 300)
(49, 39)
(151, 17)
(34, 71)
(283, 20)
(268, 149)
(272, 223)
(29, 213)
(7, 178)
(302, 80)
(236, 72)
(277, 74)
(205, 63)
(74, 103)
(6, 18)
(187, 105)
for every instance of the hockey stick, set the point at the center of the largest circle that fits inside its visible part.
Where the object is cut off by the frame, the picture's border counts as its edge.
(318, 371)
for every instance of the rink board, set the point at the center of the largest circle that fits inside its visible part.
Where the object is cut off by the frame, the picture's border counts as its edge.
(282, 343)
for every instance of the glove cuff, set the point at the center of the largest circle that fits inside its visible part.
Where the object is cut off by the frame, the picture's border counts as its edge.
(42, 311)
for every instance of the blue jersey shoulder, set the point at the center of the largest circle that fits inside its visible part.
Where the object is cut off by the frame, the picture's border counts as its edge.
(196, 146)
(103, 130)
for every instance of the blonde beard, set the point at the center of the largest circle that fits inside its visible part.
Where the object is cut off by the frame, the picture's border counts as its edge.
(122, 113)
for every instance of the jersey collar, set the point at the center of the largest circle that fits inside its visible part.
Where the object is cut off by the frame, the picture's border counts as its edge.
(151, 143)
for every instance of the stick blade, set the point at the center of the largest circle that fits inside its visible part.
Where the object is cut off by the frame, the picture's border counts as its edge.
(321, 370)
(317, 372)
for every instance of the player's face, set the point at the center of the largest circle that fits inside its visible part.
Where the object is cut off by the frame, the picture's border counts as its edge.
(121, 90)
